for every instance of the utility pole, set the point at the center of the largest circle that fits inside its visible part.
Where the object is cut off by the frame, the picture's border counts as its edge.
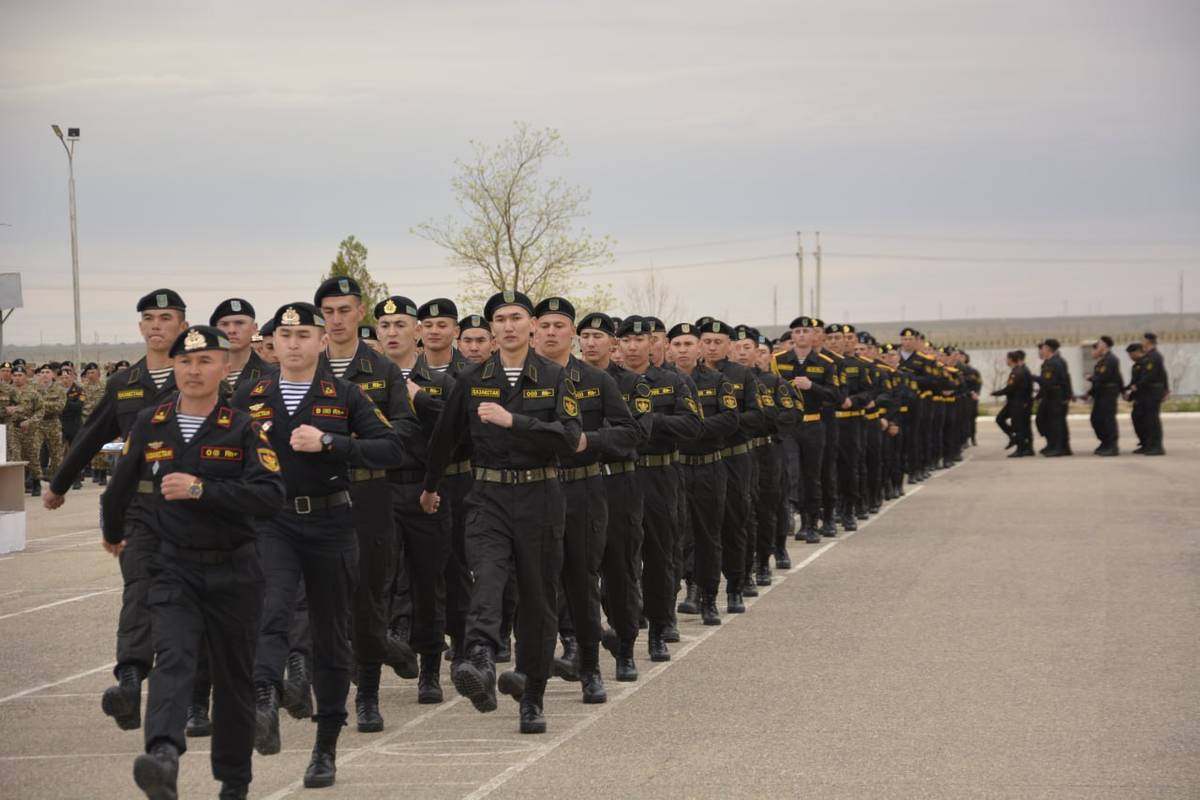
(817, 308)
(800, 263)
(73, 137)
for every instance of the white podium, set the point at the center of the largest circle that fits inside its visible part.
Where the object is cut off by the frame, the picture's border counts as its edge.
(12, 500)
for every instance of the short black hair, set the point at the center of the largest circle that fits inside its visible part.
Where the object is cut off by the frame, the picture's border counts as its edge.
(1108, 341)
(1150, 337)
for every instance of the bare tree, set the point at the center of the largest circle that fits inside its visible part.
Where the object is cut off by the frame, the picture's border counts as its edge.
(1179, 363)
(653, 296)
(518, 229)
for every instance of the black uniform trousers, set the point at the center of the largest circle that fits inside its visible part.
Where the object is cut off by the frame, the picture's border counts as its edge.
(138, 561)
(322, 548)
(1104, 417)
(1147, 410)
(374, 525)
(735, 524)
(937, 429)
(849, 450)
(685, 545)
(454, 490)
(426, 542)
(517, 527)
(913, 431)
(770, 489)
(211, 599)
(707, 485)
(1052, 421)
(873, 462)
(661, 485)
(583, 553)
(829, 464)
(810, 467)
(623, 553)
(748, 554)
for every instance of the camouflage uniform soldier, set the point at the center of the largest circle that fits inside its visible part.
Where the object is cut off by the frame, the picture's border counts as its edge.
(49, 424)
(93, 391)
(23, 415)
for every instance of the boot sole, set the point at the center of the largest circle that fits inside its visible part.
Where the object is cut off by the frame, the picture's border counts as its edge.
(686, 609)
(561, 670)
(533, 727)
(510, 685)
(198, 732)
(595, 699)
(300, 710)
(473, 689)
(319, 783)
(429, 699)
(266, 741)
(370, 727)
(115, 705)
(660, 659)
(626, 678)
(149, 777)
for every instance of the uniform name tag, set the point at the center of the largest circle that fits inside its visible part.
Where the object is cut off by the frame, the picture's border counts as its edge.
(584, 393)
(851, 370)
(706, 392)
(484, 391)
(537, 394)
(261, 411)
(817, 370)
(131, 394)
(432, 391)
(221, 453)
(784, 366)
(369, 385)
(159, 454)
(659, 391)
(329, 412)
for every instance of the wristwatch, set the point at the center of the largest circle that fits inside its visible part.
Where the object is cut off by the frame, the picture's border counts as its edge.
(326, 442)
(196, 490)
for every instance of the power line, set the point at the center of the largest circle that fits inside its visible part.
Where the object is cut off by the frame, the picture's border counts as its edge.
(1014, 239)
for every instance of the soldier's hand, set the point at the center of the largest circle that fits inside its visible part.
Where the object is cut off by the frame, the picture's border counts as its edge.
(495, 414)
(582, 443)
(25, 425)
(51, 500)
(113, 550)
(413, 388)
(306, 439)
(846, 403)
(871, 404)
(883, 424)
(430, 502)
(175, 486)
(893, 430)
(802, 382)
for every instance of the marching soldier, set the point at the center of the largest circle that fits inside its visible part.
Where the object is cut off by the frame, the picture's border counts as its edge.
(1014, 418)
(1054, 397)
(93, 392)
(1106, 386)
(203, 472)
(235, 318)
(439, 329)
(475, 340)
(48, 430)
(1148, 393)
(519, 413)
(24, 415)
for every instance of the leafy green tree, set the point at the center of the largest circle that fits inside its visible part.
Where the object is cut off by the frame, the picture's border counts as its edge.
(351, 262)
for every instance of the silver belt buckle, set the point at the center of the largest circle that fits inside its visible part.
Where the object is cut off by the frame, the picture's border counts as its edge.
(304, 507)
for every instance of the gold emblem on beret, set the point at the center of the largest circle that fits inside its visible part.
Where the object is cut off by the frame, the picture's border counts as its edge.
(685, 328)
(194, 340)
(290, 317)
(389, 307)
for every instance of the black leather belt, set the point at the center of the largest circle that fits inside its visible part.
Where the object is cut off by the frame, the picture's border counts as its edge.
(571, 474)
(700, 460)
(515, 476)
(205, 556)
(618, 467)
(306, 504)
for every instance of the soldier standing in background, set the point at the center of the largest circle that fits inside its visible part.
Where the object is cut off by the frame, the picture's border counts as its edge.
(1148, 393)
(49, 427)
(23, 416)
(1105, 388)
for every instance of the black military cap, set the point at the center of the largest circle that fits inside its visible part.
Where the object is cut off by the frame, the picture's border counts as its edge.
(887, 347)
(438, 307)
(6, 365)
(507, 298)
(656, 324)
(683, 329)
(1150, 337)
(555, 305)
(633, 325)
(716, 326)
(1020, 354)
(910, 332)
(1107, 340)
(833, 328)
(865, 338)
(700, 323)
(234, 306)
(846, 327)
(597, 321)
(122, 364)
(1051, 343)
(18, 362)
(949, 350)
(66, 364)
(162, 299)
(396, 304)
(296, 314)
(818, 323)
(1134, 347)
(473, 322)
(337, 286)
(18, 369)
(741, 333)
(617, 322)
(197, 339)
(367, 332)
(267, 328)
(802, 322)
(90, 366)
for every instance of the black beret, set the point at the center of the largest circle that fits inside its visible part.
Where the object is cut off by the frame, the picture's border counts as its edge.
(887, 347)
(1107, 340)
(121, 364)
(863, 337)
(18, 369)
(267, 328)
(617, 322)
(555, 305)
(438, 307)
(294, 314)
(473, 322)
(700, 323)
(18, 362)
(716, 326)
(90, 365)
(160, 299)
(367, 332)
(1020, 354)
(199, 338)
(231, 307)
(507, 298)
(910, 332)
(1135, 347)
(6, 365)
(741, 333)
(1150, 337)
(656, 324)
(818, 323)
(337, 286)
(683, 329)
(633, 325)
(396, 304)
(833, 328)
(597, 321)
(802, 322)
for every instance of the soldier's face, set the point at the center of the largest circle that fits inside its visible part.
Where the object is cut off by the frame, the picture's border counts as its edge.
(1044, 352)
(635, 349)
(66, 378)
(658, 346)
(892, 359)
(595, 346)
(909, 343)
(553, 336)
(862, 350)
(512, 326)
(715, 347)
(267, 353)
(161, 327)
(45, 377)
(20, 380)
(92, 376)
(745, 352)
(438, 334)
(199, 375)
(238, 328)
(475, 344)
(686, 350)
(6, 375)
(298, 346)
(398, 334)
(342, 317)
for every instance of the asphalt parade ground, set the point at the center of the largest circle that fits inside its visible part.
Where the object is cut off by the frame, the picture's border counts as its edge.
(1022, 628)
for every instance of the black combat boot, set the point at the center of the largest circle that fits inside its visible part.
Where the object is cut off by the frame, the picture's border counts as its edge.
(734, 603)
(532, 719)
(475, 679)
(233, 791)
(828, 527)
(400, 656)
(366, 700)
(123, 702)
(322, 769)
(198, 724)
(155, 772)
(782, 559)
(429, 684)
(749, 589)
(297, 687)
(566, 666)
(589, 674)
(511, 683)
(626, 669)
(763, 578)
(655, 644)
(78, 482)
(670, 631)
(708, 609)
(849, 523)
(504, 654)
(266, 719)
(103, 477)
(35, 489)
(691, 600)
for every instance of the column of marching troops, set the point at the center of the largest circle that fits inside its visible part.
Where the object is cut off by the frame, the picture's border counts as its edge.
(299, 506)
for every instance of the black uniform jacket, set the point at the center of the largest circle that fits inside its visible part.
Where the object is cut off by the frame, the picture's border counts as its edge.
(819, 368)
(384, 383)
(674, 414)
(636, 394)
(751, 422)
(255, 370)
(1106, 376)
(428, 403)
(612, 432)
(545, 411)
(126, 393)
(719, 415)
(230, 455)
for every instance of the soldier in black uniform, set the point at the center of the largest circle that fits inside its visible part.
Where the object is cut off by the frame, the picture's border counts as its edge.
(439, 329)
(974, 382)
(1014, 418)
(348, 357)
(127, 392)
(203, 472)
(1147, 392)
(621, 564)
(320, 425)
(1106, 386)
(609, 431)
(235, 318)
(922, 374)
(520, 414)
(856, 392)
(1054, 397)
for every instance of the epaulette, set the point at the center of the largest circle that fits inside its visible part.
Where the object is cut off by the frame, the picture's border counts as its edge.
(574, 375)
(364, 365)
(135, 373)
(261, 388)
(328, 389)
(827, 358)
(161, 413)
(224, 417)
(489, 369)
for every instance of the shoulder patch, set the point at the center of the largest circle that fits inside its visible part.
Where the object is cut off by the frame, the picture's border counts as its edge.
(260, 388)
(268, 458)
(641, 405)
(328, 389)
(161, 413)
(569, 406)
(224, 417)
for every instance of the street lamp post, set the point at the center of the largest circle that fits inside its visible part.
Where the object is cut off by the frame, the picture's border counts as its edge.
(68, 143)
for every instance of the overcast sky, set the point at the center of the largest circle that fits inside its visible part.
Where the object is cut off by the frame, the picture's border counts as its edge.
(1036, 156)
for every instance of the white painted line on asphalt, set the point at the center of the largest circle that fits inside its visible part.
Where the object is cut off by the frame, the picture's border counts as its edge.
(60, 682)
(79, 532)
(75, 599)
